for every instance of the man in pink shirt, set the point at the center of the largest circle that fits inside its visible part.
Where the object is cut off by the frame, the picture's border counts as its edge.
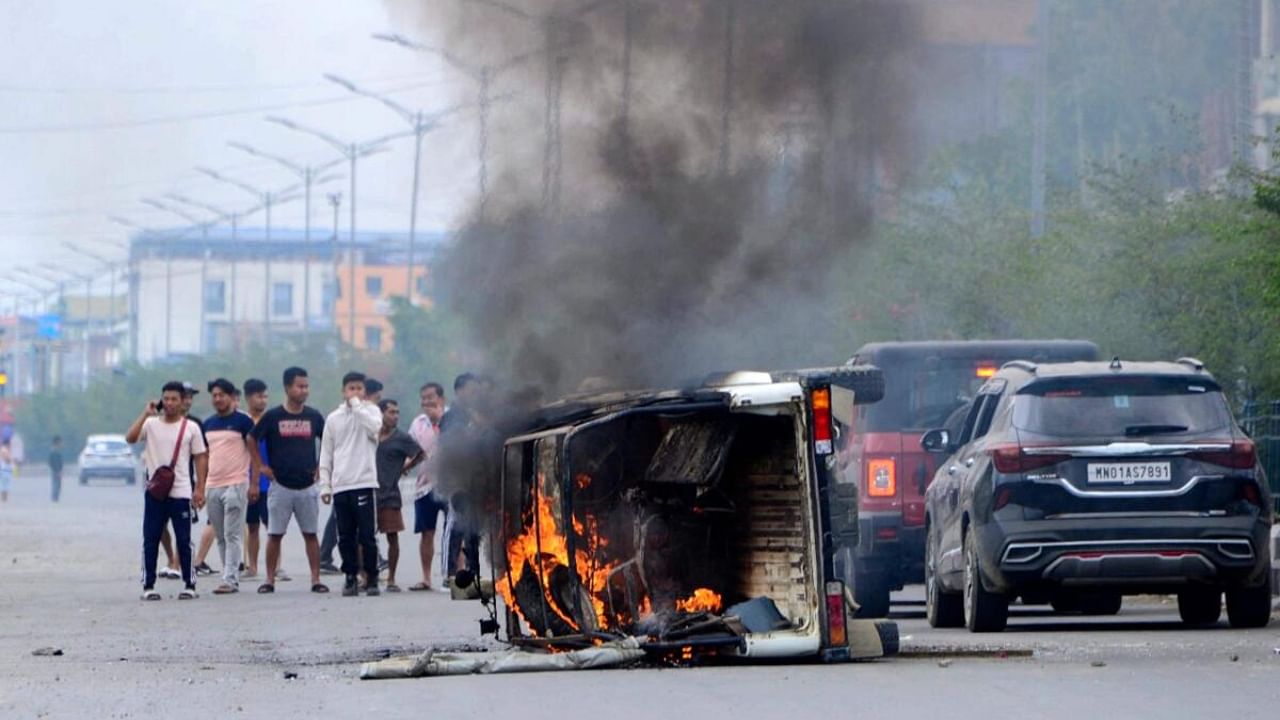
(228, 492)
(427, 506)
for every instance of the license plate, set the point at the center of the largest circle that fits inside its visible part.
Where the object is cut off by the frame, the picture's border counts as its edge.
(1129, 473)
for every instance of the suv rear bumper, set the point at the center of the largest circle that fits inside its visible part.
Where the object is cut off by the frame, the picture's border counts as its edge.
(1134, 554)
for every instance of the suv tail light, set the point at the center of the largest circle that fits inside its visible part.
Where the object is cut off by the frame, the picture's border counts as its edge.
(1010, 459)
(882, 478)
(1242, 456)
(1250, 493)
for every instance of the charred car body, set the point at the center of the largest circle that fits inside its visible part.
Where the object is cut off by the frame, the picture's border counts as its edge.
(703, 520)
(1078, 483)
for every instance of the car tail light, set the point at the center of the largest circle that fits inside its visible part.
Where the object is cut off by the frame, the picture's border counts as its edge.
(882, 478)
(836, 631)
(1010, 459)
(820, 399)
(1242, 456)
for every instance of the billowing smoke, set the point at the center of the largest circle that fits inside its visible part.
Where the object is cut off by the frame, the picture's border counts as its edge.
(654, 220)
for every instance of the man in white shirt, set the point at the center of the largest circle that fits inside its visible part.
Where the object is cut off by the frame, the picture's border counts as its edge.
(174, 440)
(427, 505)
(349, 479)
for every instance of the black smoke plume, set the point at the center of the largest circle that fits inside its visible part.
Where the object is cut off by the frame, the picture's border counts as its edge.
(691, 224)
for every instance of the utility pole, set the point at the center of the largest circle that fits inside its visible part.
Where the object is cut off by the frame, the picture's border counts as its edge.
(335, 199)
(204, 263)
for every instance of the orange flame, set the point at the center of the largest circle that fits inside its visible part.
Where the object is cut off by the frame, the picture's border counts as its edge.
(702, 600)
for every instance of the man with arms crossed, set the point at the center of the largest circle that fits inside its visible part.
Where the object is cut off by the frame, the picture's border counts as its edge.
(290, 431)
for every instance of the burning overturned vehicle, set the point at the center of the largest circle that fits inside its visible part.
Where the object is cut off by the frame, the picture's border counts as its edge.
(702, 522)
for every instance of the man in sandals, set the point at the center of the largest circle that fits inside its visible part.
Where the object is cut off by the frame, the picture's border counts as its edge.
(229, 493)
(170, 438)
(398, 453)
(290, 431)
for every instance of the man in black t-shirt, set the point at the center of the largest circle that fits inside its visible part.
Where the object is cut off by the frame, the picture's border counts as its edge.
(290, 432)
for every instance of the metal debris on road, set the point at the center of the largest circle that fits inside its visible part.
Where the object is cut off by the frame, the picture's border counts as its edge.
(435, 664)
(47, 652)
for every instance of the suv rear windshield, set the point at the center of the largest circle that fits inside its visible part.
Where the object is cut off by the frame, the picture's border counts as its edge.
(105, 447)
(1132, 407)
(919, 398)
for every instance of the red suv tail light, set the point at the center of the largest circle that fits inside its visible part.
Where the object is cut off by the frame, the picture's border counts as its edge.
(1010, 459)
(1242, 456)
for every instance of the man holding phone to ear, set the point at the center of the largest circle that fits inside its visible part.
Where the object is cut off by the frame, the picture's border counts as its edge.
(349, 479)
(170, 439)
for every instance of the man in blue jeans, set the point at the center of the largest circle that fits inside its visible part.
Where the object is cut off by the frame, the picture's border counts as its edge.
(170, 438)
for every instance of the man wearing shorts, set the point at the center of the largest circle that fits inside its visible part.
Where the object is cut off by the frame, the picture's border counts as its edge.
(427, 507)
(255, 398)
(291, 431)
(398, 453)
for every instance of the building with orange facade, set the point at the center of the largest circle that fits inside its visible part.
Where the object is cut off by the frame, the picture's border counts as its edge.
(363, 318)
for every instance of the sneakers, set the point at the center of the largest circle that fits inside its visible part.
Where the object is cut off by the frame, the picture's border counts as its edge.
(169, 573)
(226, 589)
(349, 588)
(150, 594)
(188, 593)
(372, 590)
(203, 569)
(282, 576)
(328, 568)
(383, 564)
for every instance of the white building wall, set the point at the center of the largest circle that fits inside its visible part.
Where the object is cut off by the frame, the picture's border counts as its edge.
(246, 298)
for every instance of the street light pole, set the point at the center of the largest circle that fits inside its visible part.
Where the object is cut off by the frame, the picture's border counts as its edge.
(335, 199)
(308, 174)
(268, 199)
(421, 124)
(352, 151)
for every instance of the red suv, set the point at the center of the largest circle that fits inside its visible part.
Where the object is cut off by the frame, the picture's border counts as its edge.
(925, 382)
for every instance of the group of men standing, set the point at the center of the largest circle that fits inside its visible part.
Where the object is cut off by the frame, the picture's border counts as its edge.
(263, 467)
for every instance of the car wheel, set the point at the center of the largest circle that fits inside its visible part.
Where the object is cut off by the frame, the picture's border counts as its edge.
(984, 611)
(1200, 606)
(943, 609)
(871, 590)
(1249, 607)
(1065, 603)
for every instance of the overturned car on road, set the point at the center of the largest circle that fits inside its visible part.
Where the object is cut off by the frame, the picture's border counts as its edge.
(703, 521)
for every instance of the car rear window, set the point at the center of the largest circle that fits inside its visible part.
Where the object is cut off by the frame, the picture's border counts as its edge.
(1131, 407)
(107, 446)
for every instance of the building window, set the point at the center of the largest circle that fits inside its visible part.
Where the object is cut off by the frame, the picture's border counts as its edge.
(420, 285)
(373, 338)
(373, 286)
(282, 299)
(215, 296)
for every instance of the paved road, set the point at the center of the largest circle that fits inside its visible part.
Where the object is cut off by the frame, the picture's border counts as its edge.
(68, 579)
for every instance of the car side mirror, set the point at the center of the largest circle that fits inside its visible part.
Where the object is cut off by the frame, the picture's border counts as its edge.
(936, 441)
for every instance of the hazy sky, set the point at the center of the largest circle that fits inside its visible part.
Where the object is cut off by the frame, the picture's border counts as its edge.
(105, 103)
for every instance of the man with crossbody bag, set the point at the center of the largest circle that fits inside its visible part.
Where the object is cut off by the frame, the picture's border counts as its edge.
(172, 447)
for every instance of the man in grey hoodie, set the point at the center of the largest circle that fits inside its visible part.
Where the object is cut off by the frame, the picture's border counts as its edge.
(349, 479)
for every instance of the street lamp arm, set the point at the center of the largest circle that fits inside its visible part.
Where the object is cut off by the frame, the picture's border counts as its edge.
(326, 137)
(507, 8)
(221, 213)
(291, 165)
(397, 108)
(457, 62)
(164, 207)
(256, 192)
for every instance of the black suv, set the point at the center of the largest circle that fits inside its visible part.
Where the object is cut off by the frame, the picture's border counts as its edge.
(1078, 483)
